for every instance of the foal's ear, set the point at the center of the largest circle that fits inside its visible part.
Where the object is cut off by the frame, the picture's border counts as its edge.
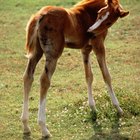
(122, 13)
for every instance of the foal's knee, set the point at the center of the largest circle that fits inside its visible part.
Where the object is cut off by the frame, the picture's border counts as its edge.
(27, 78)
(44, 81)
(107, 78)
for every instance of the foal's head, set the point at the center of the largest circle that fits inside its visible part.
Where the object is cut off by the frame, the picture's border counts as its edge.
(107, 16)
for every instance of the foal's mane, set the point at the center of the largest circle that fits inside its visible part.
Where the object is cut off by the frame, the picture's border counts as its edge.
(89, 3)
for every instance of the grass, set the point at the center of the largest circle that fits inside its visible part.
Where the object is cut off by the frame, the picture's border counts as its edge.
(68, 115)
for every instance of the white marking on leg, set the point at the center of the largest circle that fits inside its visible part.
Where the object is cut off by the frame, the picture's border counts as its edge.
(42, 118)
(89, 80)
(25, 117)
(114, 100)
(25, 113)
(98, 22)
(107, 80)
(113, 96)
(90, 97)
(41, 113)
(109, 86)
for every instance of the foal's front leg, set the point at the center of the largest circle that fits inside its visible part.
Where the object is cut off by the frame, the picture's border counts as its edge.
(100, 53)
(88, 76)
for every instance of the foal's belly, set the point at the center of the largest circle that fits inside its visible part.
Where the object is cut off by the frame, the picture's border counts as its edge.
(73, 44)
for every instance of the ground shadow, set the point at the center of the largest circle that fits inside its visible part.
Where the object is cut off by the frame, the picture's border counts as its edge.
(114, 134)
(28, 137)
(45, 138)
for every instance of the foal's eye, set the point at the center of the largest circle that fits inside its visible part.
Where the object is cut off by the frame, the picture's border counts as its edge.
(109, 23)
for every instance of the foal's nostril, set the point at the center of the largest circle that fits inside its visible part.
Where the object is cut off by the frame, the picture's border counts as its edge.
(108, 24)
(91, 35)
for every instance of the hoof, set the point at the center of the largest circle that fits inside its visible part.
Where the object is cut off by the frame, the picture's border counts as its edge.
(26, 135)
(93, 108)
(45, 137)
(94, 115)
(120, 113)
(27, 132)
(46, 134)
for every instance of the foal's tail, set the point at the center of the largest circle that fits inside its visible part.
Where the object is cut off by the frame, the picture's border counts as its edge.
(32, 40)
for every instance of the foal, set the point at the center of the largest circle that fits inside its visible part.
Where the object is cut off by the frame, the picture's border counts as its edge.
(84, 27)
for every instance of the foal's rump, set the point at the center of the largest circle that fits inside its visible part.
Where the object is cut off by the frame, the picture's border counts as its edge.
(31, 35)
(45, 29)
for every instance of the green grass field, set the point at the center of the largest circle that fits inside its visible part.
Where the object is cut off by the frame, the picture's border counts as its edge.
(68, 114)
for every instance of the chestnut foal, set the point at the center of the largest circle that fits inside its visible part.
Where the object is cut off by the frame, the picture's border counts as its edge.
(52, 28)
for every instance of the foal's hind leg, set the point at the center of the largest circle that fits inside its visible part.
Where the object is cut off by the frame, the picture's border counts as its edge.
(45, 84)
(52, 43)
(89, 75)
(100, 53)
(28, 79)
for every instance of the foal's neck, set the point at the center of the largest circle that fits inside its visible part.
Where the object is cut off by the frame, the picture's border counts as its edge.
(87, 10)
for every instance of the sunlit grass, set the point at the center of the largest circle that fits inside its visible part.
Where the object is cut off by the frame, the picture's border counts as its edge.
(68, 114)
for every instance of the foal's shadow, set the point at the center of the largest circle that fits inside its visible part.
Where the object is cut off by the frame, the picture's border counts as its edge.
(45, 138)
(28, 137)
(114, 134)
